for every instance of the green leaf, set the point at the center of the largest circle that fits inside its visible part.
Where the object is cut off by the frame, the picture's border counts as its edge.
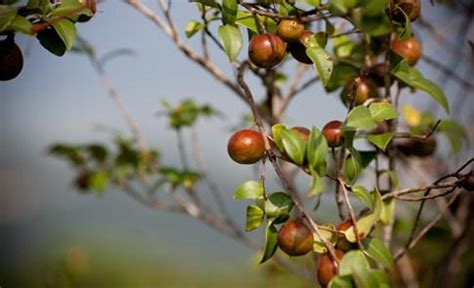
(342, 46)
(20, 24)
(381, 111)
(341, 282)
(254, 218)
(341, 74)
(231, 40)
(341, 7)
(192, 27)
(388, 211)
(381, 140)
(394, 181)
(210, 3)
(99, 180)
(271, 241)
(7, 14)
(51, 41)
(70, 8)
(294, 146)
(363, 278)
(322, 62)
(277, 135)
(352, 167)
(371, 7)
(316, 151)
(376, 249)
(278, 204)
(246, 19)
(383, 280)
(412, 77)
(366, 222)
(359, 118)
(352, 260)
(454, 132)
(404, 29)
(376, 25)
(318, 245)
(229, 11)
(317, 185)
(249, 190)
(363, 194)
(66, 31)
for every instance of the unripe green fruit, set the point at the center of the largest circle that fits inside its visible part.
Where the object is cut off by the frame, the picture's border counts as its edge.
(359, 90)
(327, 267)
(267, 50)
(409, 49)
(333, 133)
(290, 30)
(298, 49)
(246, 146)
(11, 59)
(295, 238)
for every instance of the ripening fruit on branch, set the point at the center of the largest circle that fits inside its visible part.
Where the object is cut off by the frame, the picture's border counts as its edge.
(411, 8)
(267, 50)
(327, 267)
(409, 49)
(417, 147)
(298, 49)
(302, 131)
(11, 59)
(246, 146)
(290, 30)
(359, 90)
(378, 72)
(333, 133)
(295, 238)
(89, 4)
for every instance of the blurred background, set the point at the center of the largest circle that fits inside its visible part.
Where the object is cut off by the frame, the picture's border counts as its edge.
(52, 236)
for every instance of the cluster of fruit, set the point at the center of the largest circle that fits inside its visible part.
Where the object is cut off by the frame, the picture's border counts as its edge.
(11, 57)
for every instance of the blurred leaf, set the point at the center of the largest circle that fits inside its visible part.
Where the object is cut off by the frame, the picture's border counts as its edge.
(277, 135)
(317, 185)
(249, 190)
(412, 77)
(99, 180)
(359, 118)
(254, 218)
(364, 278)
(363, 194)
(117, 53)
(316, 151)
(388, 211)
(340, 282)
(231, 40)
(7, 14)
(97, 152)
(229, 11)
(192, 28)
(247, 20)
(70, 152)
(20, 24)
(271, 238)
(294, 146)
(375, 25)
(341, 7)
(412, 115)
(352, 260)
(210, 3)
(318, 245)
(366, 222)
(279, 204)
(66, 31)
(342, 46)
(70, 8)
(376, 249)
(381, 140)
(341, 74)
(455, 133)
(381, 111)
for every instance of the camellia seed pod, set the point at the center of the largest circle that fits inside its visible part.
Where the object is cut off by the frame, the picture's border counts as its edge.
(246, 146)
(267, 50)
(409, 49)
(290, 30)
(327, 268)
(295, 238)
(333, 133)
(11, 59)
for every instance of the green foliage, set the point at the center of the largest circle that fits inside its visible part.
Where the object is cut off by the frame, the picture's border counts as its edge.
(186, 113)
(231, 40)
(249, 190)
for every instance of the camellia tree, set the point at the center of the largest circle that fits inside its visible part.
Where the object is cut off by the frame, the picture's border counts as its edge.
(364, 51)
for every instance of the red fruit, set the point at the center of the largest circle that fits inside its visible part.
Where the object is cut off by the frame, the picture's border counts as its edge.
(327, 267)
(333, 133)
(290, 30)
(246, 146)
(11, 59)
(295, 238)
(298, 49)
(266, 50)
(302, 131)
(359, 90)
(411, 8)
(409, 49)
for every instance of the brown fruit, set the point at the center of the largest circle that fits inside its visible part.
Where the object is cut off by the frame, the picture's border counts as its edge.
(246, 146)
(11, 59)
(409, 49)
(266, 50)
(359, 90)
(417, 147)
(82, 181)
(302, 131)
(342, 243)
(295, 238)
(89, 4)
(327, 269)
(411, 8)
(298, 49)
(377, 73)
(333, 133)
(290, 30)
